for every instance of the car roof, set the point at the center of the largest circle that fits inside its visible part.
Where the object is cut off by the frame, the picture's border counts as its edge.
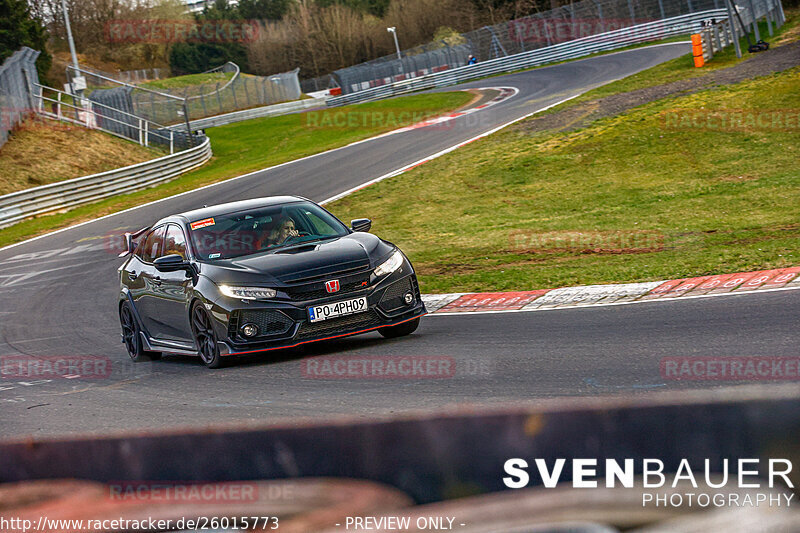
(232, 207)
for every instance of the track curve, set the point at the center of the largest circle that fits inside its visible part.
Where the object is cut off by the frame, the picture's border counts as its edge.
(46, 310)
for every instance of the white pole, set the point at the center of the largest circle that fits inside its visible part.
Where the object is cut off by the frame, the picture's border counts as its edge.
(72, 52)
(69, 35)
(393, 31)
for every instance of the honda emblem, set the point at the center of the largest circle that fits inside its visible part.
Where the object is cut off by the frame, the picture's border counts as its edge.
(332, 285)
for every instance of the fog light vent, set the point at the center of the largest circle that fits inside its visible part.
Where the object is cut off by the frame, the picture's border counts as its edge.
(249, 330)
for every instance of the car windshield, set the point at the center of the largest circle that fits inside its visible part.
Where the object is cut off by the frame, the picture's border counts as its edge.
(252, 231)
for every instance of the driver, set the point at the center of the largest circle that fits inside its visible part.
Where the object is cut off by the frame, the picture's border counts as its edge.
(282, 230)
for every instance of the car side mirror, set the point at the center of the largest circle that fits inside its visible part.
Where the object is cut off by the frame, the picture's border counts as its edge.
(360, 224)
(170, 263)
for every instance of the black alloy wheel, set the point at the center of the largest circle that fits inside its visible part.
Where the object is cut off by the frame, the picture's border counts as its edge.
(205, 338)
(131, 336)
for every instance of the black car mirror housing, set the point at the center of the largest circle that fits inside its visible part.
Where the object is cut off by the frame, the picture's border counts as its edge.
(360, 224)
(171, 263)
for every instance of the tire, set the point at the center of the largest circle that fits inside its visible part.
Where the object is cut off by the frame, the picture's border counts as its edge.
(400, 330)
(131, 336)
(205, 337)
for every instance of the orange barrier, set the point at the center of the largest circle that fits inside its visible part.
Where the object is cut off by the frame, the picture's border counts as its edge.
(697, 50)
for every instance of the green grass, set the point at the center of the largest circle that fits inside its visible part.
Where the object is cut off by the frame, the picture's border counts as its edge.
(657, 202)
(259, 143)
(178, 82)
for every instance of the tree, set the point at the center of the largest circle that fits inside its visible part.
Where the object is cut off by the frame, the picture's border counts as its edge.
(263, 9)
(192, 57)
(18, 28)
(376, 8)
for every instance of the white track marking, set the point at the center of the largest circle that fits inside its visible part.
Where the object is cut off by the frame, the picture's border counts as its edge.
(578, 305)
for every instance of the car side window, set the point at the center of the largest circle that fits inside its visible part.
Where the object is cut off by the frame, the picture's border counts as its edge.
(153, 245)
(175, 241)
(320, 227)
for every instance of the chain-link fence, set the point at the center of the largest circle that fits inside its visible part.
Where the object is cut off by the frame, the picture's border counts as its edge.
(232, 92)
(103, 78)
(141, 75)
(320, 83)
(566, 23)
(18, 77)
(419, 61)
(21, 96)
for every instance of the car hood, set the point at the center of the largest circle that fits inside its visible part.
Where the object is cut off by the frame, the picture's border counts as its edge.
(351, 253)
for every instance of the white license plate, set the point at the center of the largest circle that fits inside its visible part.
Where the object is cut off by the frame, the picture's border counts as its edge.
(345, 307)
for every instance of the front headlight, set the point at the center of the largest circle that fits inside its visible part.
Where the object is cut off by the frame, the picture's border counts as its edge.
(390, 265)
(247, 293)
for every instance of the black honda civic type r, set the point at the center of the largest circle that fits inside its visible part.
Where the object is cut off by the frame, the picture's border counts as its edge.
(259, 275)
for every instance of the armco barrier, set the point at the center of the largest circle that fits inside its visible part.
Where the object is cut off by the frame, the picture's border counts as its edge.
(70, 193)
(601, 42)
(257, 112)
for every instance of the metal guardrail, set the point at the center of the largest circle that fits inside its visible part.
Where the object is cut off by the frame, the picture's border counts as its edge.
(70, 193)
(601, 42)
(716, 37)
(256, 112)
(94, 115)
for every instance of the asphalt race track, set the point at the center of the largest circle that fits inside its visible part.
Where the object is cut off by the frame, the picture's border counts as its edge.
(58, 297)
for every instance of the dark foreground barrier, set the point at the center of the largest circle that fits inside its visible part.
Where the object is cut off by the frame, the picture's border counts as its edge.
(436, 457)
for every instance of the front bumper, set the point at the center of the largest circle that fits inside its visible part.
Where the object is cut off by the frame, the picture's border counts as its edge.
(284, 324)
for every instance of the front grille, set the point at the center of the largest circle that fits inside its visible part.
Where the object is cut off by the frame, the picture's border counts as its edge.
(269, 322)
(339, 325)
(314, 291)
(393, 297)
(324, 272)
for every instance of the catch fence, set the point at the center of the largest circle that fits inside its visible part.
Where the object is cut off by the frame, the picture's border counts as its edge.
(571, 22)
(230, 90)
(18, 76)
